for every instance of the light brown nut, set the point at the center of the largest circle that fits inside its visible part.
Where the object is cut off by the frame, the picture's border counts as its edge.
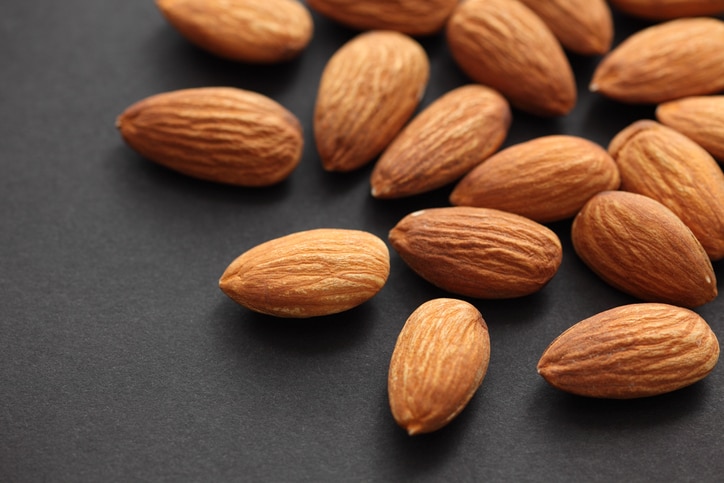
(413, 18)
(451, 136)
(478, 252)
(242, 30)
(661, 163)
(545, 179)
(439, 361)
(667, 61)
(640, 247)
(220, 134)
(309, 273)
(369, 89)
(503, 44)
(582, 26)
(669, 9)
(700, 118)
(631, 351)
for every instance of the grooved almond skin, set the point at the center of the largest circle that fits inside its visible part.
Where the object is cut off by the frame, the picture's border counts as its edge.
(242, 30)
(700, 118)
(667, 61)
(669, 9)
(219, 134)
(478, 252)
(451, 136)
(581, 26)
(640, 247)
(369, 89)
(632, 351)
(309, 273)
(545, 179)
(439, 361)
(504, 45)
(412, 18)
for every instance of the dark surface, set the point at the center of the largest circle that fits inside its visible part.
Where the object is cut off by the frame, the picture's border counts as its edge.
(120, 359)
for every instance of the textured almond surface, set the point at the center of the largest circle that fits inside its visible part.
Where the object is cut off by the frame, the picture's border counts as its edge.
(631, 351)
(700, 118)
(478, 252)
(668, 9)
(439, 361)
(675, 59)
(504, 45)
(219, 134)
(545, 179)
(369, 89)
(243, 30)
(642, 248)
(451, 136)
(309, 273)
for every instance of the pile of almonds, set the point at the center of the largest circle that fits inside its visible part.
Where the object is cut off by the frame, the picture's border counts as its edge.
(648, 211)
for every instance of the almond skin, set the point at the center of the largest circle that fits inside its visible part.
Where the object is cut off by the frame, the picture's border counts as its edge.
(700, 118)
(412, 18)
(219, 134)
(369, 89)
(440, 359)
(309, 273)
(633, 351)
(478, 252)
(242, 30)
(667, 61)
(669, 9)
(640, 247)
(504, 45)
(451, 136)
(545, 179)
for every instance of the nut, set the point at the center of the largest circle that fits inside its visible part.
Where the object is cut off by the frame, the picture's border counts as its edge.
(668, 9)
(700, 118)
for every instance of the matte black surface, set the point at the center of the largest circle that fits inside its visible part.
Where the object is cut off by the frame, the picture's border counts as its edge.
(121, 360)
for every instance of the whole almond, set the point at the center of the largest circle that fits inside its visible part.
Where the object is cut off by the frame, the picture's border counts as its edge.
(545, 179)
(503, 44)
(220, 134)
(478, 252)
(632, 351)
(667, 61)
(582, 26)
(641, 247)
(700, 118)
(669, 9)
(242, 30)
(439, 361)
(413, 18)
(451, 136)
(308, 273)
(369, 89)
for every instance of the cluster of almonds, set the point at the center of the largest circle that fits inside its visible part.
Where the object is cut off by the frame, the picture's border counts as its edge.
(648, 212)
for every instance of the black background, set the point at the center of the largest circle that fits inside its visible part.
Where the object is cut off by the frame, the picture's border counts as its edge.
(121, 360)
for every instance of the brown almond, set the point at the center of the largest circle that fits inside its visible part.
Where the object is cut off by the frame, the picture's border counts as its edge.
(369, 89)
(633, 351)
(641, 247)
(545, 179)
(669, 9)
(439, 361)
(700, 118)
(478, 252)
(220, 134)
(451, 136)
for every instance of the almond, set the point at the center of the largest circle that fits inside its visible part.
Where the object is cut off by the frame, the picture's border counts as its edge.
(545, 179)
(478, 252)
(308, 273)
(667, 61)
(503, 44)
(668, 9)
(369, 89)
(632, 351)
(582, 26)
(700, 118)
(242, 30)
(641, 247)
(451, 136)
(440, 359)
(219, 134)
(412, 18)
